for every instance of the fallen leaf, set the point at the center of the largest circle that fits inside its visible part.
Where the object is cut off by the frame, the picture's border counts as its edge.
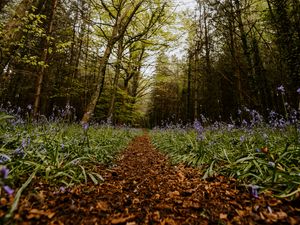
(223, 216)
(135, 201)
(173, 194)
(241, 212)
(168, 221)
(281, 215)
(35, 213)
(102, 206)
(122, 219)
(181, 176)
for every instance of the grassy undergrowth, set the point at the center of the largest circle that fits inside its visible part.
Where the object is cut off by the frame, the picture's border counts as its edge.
(263, 157)
(58, 152)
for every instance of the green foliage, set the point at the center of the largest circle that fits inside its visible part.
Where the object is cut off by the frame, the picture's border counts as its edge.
(266, 157)
(65, 154)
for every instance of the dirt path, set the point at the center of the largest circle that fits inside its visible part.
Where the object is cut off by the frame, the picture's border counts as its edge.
(143, 188)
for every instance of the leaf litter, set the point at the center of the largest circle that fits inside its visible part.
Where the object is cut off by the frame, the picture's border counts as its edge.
(144, 188)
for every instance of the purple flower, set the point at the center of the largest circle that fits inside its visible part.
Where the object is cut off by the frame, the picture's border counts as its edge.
(298, 91)
(4, 158)
(8, 190)
(258, 150)
(199, 129)
(19, 152)
(254, 191)
(281, 89)
(4, 172)
(85, 126)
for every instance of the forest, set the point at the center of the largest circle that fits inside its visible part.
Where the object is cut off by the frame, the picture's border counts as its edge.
(113, 59)
(149, 112)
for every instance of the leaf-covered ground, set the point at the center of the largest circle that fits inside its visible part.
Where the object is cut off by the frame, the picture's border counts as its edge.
(143, 188)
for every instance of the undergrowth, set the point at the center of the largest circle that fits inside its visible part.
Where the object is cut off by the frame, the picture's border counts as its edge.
(58, 153)
(262, 156)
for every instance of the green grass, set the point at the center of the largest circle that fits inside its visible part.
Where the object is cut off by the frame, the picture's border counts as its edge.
(237, 153)
(58, 152)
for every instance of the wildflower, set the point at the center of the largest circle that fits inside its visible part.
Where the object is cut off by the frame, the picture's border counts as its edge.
(239, 112)
(244, 123)
(85, 126)
(4, 172)
(254, 190)
(199, 129)
(281, 89)
(230, 127)
(4, 158)
(271, 164)
(258, 150)
(19, 152)
(8, 190)
(29, 107)
(298, 90)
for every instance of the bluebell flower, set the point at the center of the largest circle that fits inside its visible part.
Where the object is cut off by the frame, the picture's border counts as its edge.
(8, 190)
(85, 126)
(4, 158)
(19, 152)
(4, 172)
(199, 129)
(281, 89)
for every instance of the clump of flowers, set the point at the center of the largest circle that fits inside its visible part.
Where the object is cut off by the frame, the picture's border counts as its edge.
(199, 129)
(3, 176)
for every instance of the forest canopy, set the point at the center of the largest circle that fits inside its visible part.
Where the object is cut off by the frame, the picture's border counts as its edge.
(112, 59)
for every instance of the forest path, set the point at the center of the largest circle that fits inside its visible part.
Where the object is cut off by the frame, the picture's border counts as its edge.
(143, 188)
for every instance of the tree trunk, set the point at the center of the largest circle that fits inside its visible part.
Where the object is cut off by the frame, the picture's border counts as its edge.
(116, 79)
(44, 58)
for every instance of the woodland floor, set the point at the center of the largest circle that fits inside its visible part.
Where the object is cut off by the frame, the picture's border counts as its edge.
(144, 188)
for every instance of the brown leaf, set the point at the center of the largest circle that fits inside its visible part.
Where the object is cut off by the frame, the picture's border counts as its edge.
(168, 221)
(102, 206)
(173, 194)
(223, 216)
(122, 219)
(281, 215)
(135, 201)
(35, 213)
(191, 204)
(241, 212)
(274, 202)
(181, 176)
(3, 201)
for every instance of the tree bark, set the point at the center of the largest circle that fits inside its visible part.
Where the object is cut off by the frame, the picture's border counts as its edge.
(44, 58)
(116, 79)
